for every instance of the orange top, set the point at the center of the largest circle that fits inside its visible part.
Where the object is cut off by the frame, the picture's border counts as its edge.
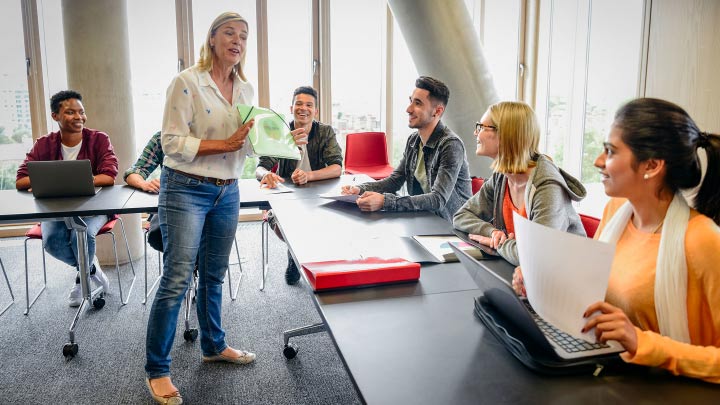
(507, 209)
(632, 288)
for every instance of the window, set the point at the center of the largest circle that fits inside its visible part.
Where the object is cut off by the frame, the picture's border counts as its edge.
(497, 23)
(53, 53)
(357, 53)
(204, 12)
(403, 83)
(588, 68)
(15, 125)
(152, 66)
(289, 51)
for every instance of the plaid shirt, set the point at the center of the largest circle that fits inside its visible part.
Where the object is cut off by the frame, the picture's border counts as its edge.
(152, 157)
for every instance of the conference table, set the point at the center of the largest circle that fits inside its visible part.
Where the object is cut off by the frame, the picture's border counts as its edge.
(420, 342)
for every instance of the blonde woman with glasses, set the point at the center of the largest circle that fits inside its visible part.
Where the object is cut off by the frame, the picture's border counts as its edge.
(524, 181)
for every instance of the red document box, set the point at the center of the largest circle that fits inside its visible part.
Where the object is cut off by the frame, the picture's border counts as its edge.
(350, 273)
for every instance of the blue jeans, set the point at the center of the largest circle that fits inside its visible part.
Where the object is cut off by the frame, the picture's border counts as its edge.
(61, 242)
(198, 222)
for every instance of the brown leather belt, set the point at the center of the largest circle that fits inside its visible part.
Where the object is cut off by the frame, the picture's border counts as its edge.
(212, 180)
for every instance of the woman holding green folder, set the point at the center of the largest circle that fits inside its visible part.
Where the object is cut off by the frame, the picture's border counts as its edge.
(205, 148)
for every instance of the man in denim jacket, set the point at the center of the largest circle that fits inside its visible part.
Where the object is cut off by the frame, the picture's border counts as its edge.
(434, 164)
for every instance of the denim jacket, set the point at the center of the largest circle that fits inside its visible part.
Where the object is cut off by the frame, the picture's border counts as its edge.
(446, 169)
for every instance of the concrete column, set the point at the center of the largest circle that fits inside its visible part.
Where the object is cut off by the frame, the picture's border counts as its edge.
(444, 45)
(98, 66)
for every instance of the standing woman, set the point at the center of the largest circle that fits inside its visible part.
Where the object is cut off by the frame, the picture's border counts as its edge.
(663, 297)
(524, 181)
(205, 149)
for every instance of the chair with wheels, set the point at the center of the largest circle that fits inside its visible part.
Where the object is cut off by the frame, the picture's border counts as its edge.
(36, 233)
(366, 152)
(590, 224)
(476, 184)
(12, 296)
(157, 245)
(146, 231)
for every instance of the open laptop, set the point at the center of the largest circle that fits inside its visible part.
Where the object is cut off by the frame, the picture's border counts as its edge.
(528, 327)
(61, 178)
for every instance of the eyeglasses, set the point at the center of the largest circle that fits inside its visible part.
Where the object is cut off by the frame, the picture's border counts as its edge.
(480, 127)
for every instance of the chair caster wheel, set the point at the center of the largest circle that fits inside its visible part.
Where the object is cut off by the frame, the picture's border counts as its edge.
(70, 350)
(98, 303)
(190, 335)
(290, 351)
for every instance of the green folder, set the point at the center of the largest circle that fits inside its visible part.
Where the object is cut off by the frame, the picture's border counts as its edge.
(270, 135)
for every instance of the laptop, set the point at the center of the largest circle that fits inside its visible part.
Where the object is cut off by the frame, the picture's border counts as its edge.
(61, 178)
(528, 327)
(484, 248)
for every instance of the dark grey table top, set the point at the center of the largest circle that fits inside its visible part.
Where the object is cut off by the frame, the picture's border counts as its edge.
(21, 205)
(420, 343)
(431, 349)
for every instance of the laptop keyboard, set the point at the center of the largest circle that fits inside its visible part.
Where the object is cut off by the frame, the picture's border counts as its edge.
(568, 343)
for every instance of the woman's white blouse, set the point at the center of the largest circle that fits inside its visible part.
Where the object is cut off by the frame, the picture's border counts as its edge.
(195, 110)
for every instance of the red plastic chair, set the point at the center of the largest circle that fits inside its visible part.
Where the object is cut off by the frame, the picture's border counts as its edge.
(590, 224)
(366, 152)
(476, 184)
(36, 233)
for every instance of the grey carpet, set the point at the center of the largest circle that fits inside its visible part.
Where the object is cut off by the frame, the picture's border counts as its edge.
(109, 365)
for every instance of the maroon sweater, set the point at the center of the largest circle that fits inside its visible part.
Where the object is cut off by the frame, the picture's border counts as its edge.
(95, 147)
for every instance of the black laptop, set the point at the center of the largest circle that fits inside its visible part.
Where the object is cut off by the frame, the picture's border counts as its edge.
(61, 178)
(524, 324)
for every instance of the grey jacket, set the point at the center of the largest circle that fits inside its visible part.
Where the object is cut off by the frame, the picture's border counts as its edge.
(548, 201)
(446, 170)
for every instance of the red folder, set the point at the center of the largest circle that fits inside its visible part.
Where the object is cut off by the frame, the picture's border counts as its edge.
(351, 273)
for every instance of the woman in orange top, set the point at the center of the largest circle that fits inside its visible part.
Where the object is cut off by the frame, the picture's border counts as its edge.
(663, 297)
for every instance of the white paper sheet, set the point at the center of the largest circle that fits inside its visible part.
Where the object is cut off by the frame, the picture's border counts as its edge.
(279, 188)
(337, 196)
(564, 273)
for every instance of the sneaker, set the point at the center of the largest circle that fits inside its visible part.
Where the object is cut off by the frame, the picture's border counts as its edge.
(292, 275)
(75, 297)
(98, 277)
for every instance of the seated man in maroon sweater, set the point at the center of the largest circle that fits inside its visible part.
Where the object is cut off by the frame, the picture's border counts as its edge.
(73, 141)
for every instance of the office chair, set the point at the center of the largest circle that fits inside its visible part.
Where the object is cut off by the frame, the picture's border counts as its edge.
(264, 232)
(366, 152)
(36, 233)
(233, 292)
(12, 296)
(590, 224)
(146, 229)
(476, 184)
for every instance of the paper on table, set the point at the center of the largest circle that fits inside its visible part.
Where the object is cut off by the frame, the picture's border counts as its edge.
(563, 273)
(279, 188)
(350, 198)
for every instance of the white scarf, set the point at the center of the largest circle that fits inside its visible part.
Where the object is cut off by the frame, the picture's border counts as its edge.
(671, 271)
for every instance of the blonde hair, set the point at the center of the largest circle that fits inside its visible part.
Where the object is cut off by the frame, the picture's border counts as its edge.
(518, 134)
(206, 53)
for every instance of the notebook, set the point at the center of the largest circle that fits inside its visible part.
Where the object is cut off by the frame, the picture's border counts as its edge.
(533, 330)
(61, 178)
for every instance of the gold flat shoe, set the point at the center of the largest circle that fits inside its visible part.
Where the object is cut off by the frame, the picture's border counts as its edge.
(172, 399)
(245, 358)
